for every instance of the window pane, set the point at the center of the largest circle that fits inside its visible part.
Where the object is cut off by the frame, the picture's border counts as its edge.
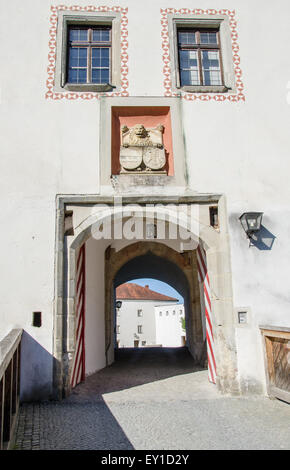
(189, 77)
(189, 73)
(96, 57)
(188, 59)
(208, 38)
(211, 68)
(77, 75)
(101, 35)
(100, 76)
(100, 57)
(77, 57)
(96, 76)
(105, 76)
(186, 37)
(78, 34)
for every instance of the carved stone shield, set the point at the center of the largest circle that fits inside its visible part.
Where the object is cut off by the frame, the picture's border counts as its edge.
(154, 158)
(131, 157)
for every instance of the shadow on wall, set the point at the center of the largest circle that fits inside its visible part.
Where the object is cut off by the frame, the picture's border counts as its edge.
(264, 240)
(36, 371)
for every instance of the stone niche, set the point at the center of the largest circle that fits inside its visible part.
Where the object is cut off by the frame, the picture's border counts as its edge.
(141, 141)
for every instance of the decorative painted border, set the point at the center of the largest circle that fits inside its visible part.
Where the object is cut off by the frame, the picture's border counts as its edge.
(50, 94)
(235, 48)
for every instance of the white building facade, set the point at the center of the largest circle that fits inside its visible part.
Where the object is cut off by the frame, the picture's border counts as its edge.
(148, 322)
(210, 87)
(169, 325)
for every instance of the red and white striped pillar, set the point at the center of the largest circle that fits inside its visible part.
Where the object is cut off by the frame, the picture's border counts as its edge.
(78, 368)
(204, 280)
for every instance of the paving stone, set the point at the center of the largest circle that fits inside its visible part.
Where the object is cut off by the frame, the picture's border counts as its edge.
(153, 400)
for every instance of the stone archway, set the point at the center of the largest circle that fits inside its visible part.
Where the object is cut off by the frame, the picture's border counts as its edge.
(90, 210)
(155, 257)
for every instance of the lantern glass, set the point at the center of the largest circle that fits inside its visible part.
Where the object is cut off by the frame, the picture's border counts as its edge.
(251, 221)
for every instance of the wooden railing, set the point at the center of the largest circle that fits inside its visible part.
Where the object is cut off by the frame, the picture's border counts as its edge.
(9, 385)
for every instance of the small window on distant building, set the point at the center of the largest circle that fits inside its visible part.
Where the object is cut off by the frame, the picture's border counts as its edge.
(173, 312)
(140, 313)
(167, 313)
(143, 343)
(180, 312)
(140, 329)
(160, 314)
(118, 329)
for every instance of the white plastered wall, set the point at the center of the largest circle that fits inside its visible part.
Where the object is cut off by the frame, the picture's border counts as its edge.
(169, 330)
(95, 304)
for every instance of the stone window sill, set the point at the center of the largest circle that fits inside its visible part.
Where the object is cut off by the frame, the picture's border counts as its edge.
(92, 87)
(205, 89)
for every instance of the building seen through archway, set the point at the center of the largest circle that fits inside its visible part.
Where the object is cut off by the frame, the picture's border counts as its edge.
(147, 318)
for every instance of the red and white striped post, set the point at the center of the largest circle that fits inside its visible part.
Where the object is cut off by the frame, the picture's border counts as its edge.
(78, 368)
(204, 280)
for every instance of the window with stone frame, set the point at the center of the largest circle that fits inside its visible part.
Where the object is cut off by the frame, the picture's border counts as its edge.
(139, 329)
(201, 54)
(88, 52)
(89, 55)
(199, 57)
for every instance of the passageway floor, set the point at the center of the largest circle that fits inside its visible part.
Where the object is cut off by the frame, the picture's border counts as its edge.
(153, 398)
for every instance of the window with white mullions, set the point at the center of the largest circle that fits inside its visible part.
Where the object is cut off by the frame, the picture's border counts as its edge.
(199, 57)
(100, 65)
(78, 59)
(211, 68)
(189, 67)
(89, 55)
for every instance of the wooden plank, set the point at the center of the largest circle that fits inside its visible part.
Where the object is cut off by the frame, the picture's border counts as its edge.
(14, 382)
(280, 349)
(8, 346)
(7, 403)
(2, 383)
(269, 356)
(274, 330)
(18, 370)
(281, 394)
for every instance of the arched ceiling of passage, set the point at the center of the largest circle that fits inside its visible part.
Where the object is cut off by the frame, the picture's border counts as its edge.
(156, 267)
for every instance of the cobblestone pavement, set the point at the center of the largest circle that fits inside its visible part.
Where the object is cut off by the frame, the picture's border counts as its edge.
(153, 399)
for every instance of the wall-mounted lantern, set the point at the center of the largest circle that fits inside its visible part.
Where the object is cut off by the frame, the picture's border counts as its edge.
(118, 304)
(251, 222)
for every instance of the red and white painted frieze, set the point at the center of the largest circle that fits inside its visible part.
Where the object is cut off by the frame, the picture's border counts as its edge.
(50, 94)
(239, 95)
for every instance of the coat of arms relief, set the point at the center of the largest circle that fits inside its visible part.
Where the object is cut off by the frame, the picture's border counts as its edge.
(142, 149)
